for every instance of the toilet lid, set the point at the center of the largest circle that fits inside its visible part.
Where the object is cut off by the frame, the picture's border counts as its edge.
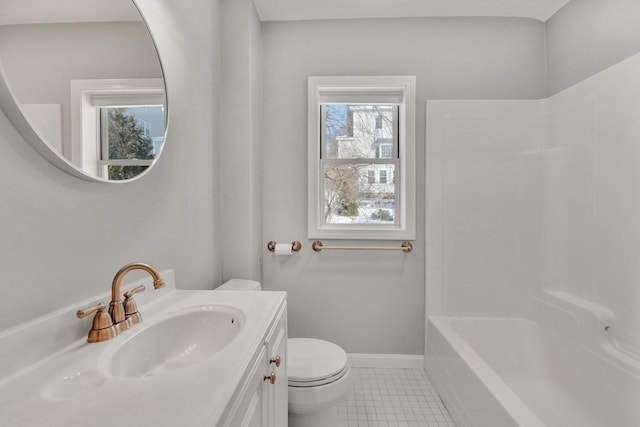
(313, 362)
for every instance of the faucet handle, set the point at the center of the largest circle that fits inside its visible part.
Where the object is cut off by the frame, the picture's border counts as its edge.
(89, 311)
(136, 290)
(130, 307)
(102, 328)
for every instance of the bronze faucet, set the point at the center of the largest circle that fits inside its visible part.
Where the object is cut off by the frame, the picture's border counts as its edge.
(116, 306)
(121, 316)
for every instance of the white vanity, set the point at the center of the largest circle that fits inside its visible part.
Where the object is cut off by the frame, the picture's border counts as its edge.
(261, 399)
(198, 358)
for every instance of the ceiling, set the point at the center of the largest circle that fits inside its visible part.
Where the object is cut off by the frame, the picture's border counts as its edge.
(293, 10)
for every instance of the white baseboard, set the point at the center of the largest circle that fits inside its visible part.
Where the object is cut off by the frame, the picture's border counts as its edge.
(406, 361)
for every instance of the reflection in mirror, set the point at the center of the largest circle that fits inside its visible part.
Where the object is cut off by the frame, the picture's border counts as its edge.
(85, 84)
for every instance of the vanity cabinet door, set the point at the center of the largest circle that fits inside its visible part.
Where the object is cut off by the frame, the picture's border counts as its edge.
(278, 393)
(251, 409)
(264, 395)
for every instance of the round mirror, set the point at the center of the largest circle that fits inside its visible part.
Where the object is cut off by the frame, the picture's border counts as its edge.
(82, 81)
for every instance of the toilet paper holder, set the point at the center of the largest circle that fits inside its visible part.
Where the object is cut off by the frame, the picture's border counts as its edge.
(295, 246)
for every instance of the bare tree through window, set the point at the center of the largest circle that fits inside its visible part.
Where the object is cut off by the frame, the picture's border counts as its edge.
(359, 143)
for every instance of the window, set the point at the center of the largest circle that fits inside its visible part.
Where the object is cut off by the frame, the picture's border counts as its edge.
(371, 176)
(127, 147)
(360, 129)
(117, 125)
(383, 177)
(384, 150)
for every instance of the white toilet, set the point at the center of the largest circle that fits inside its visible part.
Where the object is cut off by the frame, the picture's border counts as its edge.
(318, 371)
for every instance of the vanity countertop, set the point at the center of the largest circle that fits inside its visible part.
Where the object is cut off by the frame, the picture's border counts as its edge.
(72, 386)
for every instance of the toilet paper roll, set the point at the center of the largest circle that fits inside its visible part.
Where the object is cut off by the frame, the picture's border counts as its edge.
(283, 249)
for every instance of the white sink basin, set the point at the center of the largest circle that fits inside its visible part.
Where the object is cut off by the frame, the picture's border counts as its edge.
(181, 338)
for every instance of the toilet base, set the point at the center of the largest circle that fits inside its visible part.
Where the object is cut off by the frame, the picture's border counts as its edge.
(327, 417)
(318, 406)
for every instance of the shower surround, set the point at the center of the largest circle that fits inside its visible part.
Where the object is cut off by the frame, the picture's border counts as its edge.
(533, 212)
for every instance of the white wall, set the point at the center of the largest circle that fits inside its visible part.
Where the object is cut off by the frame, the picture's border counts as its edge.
(240, 169)
(62, 239)
(587, 36)
(371, 302)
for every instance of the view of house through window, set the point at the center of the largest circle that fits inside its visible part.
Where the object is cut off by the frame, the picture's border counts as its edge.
(131, 137)
(359, 156)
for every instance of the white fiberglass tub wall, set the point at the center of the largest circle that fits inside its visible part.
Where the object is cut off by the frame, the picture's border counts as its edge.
(534, 212)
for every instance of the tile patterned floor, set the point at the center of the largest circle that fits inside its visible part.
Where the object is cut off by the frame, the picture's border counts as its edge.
(392, 397)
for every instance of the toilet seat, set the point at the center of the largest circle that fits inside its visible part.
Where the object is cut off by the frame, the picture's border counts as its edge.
(313, 362)
(321, 381)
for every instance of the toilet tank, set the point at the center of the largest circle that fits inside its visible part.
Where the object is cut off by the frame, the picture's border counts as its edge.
(240, 285)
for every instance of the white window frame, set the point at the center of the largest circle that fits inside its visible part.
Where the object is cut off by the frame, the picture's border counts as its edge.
(87, 98)
(400, 90)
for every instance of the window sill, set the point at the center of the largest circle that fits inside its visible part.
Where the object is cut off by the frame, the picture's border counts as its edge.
(362, 232)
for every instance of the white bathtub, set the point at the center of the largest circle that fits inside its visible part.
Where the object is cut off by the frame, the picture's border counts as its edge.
(495, 372)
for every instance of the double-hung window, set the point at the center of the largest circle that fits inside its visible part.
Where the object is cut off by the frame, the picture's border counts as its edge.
(117, 126)
(127, 145)
(361, 157)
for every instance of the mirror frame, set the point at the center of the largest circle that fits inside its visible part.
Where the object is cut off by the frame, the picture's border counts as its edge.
(11, 108)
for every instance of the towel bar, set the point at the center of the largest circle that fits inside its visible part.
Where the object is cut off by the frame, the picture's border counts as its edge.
(406, 247)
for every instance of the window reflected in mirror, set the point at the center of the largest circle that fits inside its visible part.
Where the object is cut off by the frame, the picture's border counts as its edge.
(130, 139)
